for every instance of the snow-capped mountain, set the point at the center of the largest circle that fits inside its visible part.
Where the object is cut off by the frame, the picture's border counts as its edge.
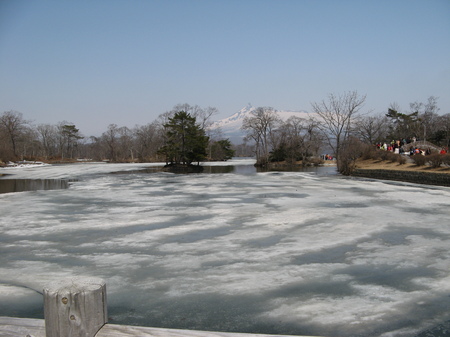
(235, 120)
(230, 127)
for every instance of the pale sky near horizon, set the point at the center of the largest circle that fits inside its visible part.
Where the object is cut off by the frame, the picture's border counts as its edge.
(95, 63)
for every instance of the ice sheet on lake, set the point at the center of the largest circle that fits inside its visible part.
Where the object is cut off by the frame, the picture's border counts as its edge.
(288, 253)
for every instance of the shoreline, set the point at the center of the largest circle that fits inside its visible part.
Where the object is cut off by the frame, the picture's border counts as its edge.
(409, 172)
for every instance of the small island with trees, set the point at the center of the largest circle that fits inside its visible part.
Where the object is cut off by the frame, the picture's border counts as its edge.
(185, 142)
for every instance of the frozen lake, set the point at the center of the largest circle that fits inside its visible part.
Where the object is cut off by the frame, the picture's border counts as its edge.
(302, 253)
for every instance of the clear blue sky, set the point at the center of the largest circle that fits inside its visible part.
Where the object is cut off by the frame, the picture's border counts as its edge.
(93, 62)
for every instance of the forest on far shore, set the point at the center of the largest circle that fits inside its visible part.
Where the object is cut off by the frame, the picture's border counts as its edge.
(64, 142)
(337, 119)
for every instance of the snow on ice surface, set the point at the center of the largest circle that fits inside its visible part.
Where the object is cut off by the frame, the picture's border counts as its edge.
(287, 253)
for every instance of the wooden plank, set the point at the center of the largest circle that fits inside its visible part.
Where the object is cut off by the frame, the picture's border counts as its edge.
(14, 327)
(75, 307)
(131, 331)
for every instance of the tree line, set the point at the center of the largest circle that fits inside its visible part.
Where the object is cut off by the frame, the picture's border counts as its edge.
(183, 134)
(336, 122)
(22, 140)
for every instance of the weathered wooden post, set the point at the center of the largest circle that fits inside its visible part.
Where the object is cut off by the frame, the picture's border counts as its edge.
(75, 307)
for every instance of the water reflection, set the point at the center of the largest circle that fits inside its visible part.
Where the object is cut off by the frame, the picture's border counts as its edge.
(240, 169)
(251, 169)
(223, 169)
(22, 185)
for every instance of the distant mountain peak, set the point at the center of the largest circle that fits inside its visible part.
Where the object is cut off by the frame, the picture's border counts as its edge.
(231, 126)
(236, 117)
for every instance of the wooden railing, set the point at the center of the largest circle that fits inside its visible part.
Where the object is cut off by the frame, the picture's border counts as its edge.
(77, 307)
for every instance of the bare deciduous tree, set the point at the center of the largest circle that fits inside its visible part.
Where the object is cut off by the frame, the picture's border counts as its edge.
(148, 140)
(110, 138)
(443, 133)
(427, 116)
(47, 137)
(336, 116)
(261, 127)
(298, 138)
(202, 115)
(126, 144)
(13, 126)
(372, 129)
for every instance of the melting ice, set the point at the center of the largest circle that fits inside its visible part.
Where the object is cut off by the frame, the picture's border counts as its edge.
(281, 253)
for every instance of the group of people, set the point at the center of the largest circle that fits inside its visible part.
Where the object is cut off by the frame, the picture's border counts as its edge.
(393, 146)
(397, 146)
(415, 150)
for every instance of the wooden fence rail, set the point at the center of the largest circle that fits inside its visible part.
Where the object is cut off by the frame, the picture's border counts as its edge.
(77, 307)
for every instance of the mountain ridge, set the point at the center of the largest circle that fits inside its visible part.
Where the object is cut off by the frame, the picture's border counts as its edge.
(230, 127)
